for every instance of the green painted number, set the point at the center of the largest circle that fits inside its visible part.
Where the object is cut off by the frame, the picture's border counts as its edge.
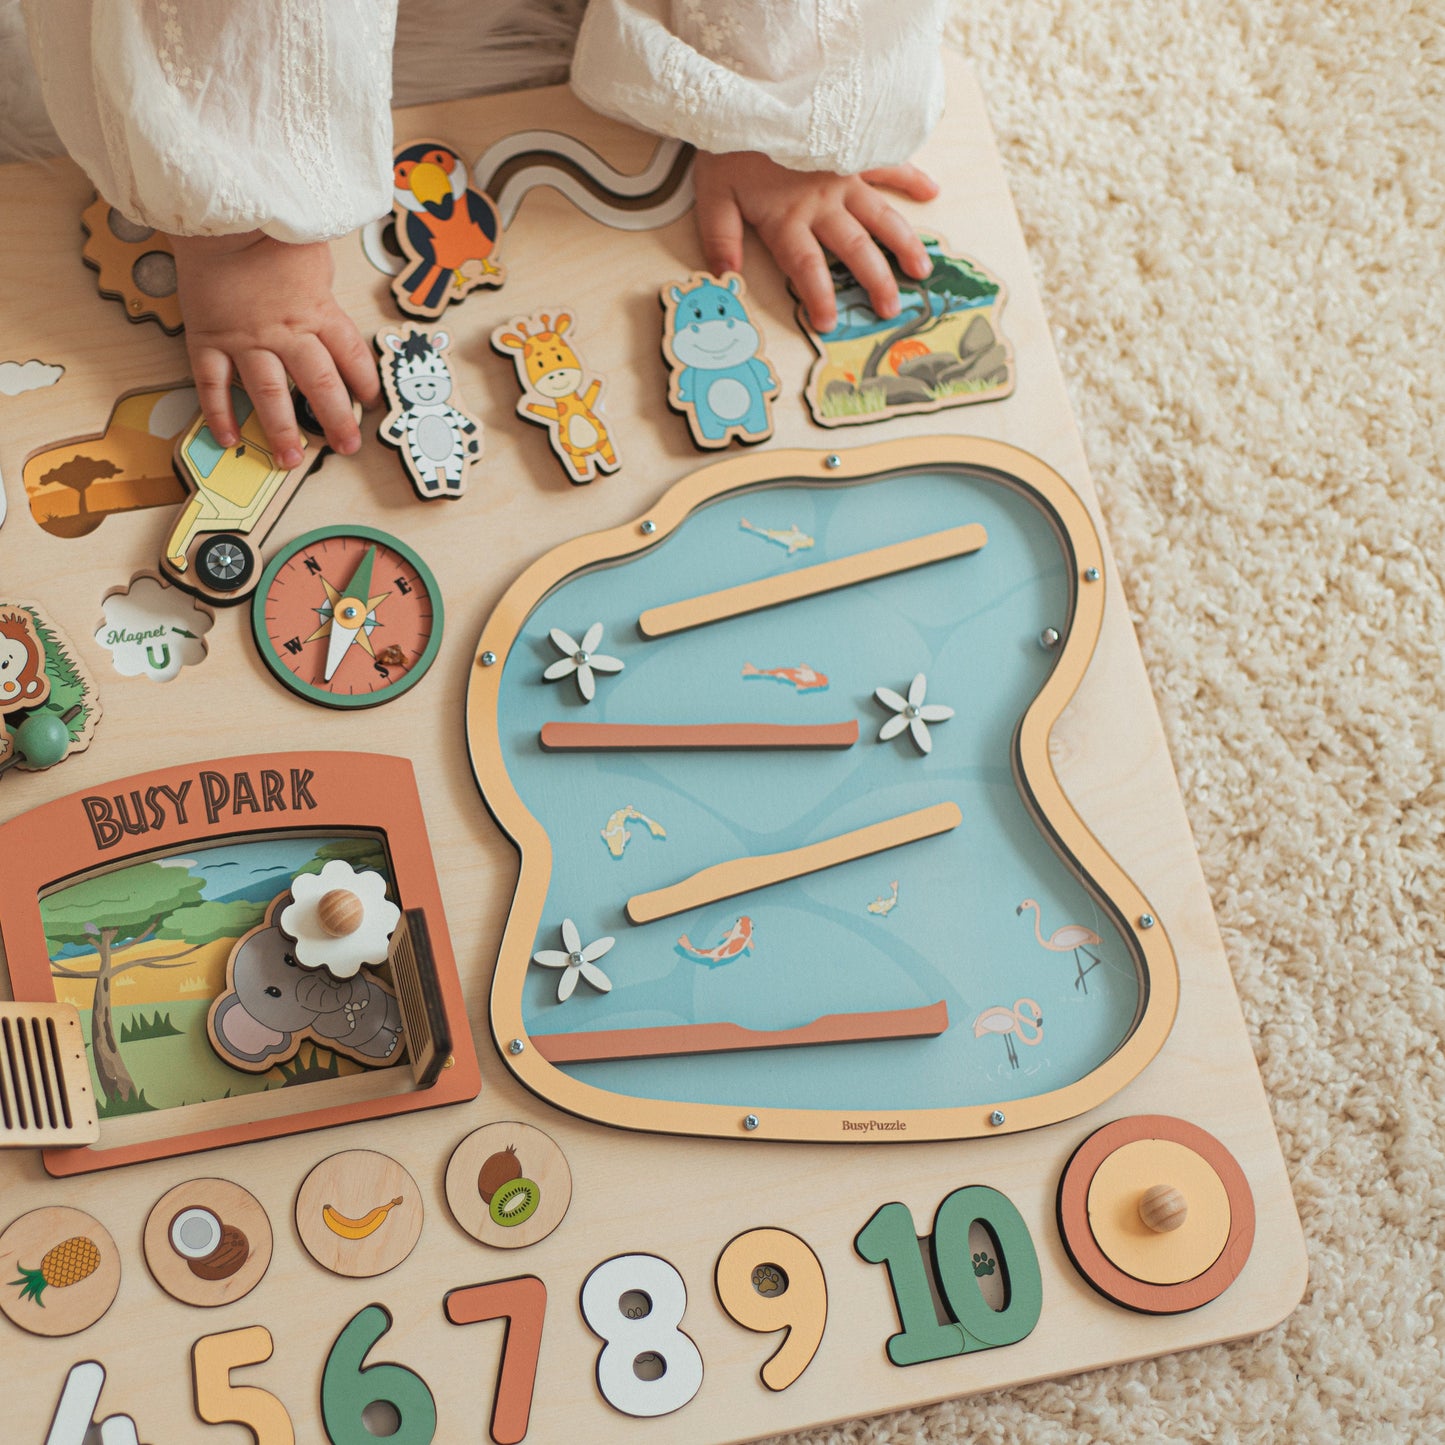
(889, 1238)
(350, 1388)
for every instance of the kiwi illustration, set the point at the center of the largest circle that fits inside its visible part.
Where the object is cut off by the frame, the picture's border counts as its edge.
(501, 1168)
(514, 1202)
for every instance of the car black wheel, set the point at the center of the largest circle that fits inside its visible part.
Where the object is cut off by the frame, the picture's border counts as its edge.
(225, 563)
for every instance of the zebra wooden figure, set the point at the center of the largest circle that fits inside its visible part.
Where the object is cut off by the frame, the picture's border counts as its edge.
(437, 440)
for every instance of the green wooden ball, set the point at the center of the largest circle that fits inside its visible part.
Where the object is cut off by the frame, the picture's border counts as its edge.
(42, 739)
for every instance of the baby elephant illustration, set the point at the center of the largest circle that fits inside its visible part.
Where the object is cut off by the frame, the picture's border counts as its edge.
(272, 1004)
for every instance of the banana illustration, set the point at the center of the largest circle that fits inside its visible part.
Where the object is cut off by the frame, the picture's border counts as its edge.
(369, 1222)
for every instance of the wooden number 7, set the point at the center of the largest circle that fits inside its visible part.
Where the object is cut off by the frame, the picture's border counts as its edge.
(213, 1357)
(522, 1302)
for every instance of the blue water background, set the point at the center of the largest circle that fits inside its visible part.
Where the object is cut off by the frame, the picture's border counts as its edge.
(972, 626)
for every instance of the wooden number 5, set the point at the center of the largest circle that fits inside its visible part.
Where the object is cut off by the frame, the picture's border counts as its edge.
(218, 1401)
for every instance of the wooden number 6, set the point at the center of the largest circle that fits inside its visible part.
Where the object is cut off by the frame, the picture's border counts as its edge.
(768, 1279)
(349, 1388)
(218, 1401)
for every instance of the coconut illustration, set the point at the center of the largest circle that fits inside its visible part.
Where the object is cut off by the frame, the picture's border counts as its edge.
(212, 1250)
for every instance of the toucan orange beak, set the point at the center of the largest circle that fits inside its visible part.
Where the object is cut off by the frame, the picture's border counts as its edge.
(430, 183)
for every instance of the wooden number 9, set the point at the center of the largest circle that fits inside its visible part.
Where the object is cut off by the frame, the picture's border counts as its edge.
(635, 1302)
(768, 1279)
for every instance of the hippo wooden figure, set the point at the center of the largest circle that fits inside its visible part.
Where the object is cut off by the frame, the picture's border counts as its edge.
(720, 378)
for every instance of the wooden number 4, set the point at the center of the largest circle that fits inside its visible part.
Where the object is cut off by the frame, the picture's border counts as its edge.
(889, 1238)
(522, 1302)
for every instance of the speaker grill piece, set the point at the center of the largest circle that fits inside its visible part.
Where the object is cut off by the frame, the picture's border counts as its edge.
(45, 1093)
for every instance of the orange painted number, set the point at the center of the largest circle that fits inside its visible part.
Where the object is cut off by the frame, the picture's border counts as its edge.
(522, 1302)
(218, 1401)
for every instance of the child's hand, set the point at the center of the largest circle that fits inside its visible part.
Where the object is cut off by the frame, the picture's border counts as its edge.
(799, 213)
(259, 309)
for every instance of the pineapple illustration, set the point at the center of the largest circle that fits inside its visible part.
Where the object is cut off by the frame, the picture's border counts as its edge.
(69, 1262)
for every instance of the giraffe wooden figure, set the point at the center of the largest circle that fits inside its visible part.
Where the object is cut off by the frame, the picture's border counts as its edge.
(557, 394)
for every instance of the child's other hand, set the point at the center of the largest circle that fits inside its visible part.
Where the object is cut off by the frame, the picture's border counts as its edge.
(799, 213)
(258, 310)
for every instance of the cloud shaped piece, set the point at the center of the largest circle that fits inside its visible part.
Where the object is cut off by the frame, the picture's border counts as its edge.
(19, 376)
(152, 630)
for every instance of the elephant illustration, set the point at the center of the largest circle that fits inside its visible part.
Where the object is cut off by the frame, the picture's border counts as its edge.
(272, 1004)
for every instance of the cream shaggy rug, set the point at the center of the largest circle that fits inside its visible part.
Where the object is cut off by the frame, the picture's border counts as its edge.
(1237, 215)
(1236, 212)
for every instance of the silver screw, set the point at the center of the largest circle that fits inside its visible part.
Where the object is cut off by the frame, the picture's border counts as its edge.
(649, 527)
(832, 461)
(996, 1118)
(1049, 638)
(1091, 575)
(489, 659)
(750, 1121)
(1146, 920)
(516, 1046)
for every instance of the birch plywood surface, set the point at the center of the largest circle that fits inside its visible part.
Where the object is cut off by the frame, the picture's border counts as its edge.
(681, 1199)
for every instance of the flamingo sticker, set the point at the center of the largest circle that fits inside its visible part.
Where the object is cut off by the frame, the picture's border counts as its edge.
(1071, 938)
(1024, 1021)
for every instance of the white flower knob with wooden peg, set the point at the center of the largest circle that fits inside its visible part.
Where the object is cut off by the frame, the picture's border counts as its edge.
(340, 919)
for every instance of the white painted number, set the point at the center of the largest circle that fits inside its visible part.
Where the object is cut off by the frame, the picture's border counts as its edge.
(648, 1366)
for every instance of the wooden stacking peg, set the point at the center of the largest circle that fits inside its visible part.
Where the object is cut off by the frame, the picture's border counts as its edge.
(339, 912)
(1163, 1208)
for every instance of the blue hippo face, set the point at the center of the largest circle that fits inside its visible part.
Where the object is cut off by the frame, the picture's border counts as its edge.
(711, 329)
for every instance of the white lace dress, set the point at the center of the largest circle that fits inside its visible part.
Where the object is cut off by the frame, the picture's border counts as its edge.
(211, 117)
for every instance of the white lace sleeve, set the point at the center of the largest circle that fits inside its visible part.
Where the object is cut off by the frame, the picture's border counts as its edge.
(208, 117)
(838, 85)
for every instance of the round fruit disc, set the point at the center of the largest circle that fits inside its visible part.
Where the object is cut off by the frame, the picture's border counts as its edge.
(508, 1184)
(59, 1271)
(207, 1242)
(359, 1213)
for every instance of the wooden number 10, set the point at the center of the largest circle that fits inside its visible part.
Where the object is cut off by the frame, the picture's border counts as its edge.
(889, 1238)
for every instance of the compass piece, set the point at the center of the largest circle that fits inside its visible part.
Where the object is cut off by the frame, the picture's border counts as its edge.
(285, 616)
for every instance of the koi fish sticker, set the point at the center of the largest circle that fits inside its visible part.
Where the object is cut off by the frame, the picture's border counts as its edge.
(739, 940)
(802, 677)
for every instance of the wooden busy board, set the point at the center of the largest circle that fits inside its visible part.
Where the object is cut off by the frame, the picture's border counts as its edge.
(672, 1150)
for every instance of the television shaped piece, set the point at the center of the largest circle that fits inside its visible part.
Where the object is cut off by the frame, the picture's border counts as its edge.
(183, 911)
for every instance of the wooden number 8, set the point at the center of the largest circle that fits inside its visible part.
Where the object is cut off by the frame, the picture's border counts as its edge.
(641, 1333)
(768, 1279)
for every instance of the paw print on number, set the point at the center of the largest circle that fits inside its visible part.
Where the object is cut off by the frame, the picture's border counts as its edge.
(768, 1280)
(983, 1265)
